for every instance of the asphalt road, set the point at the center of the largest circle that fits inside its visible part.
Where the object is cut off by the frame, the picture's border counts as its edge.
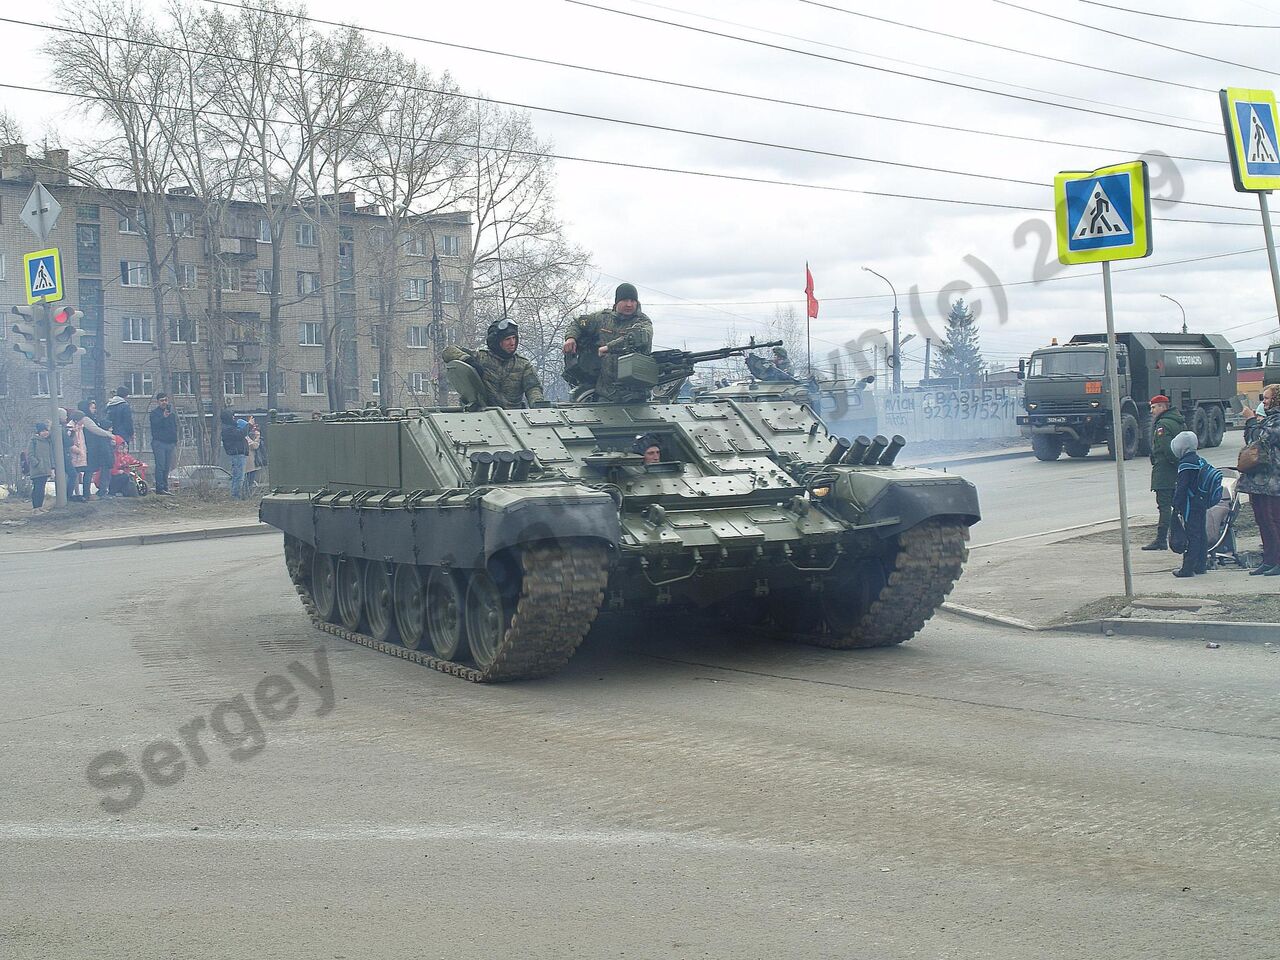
(974, 793)
(1025, 496)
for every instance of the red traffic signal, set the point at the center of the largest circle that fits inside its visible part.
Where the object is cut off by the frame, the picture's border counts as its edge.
(65, 315)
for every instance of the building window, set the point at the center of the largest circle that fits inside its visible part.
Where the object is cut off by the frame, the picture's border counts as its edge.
(3, 276)
(87, 211)
(419, 336)
(450, 246)
(310, 334)
(89, 247)
(184, 224)
(140, 384)
(419, 382)
(4, 387)
(305, 234)
(308, 283)
(135, 329)
(264, 230)
(135, 273)
(133, 223)
(186, 276)
(42, 384)
(228, 278)
(266, 281)
(451, 291)
(310, 384)
(375, 385)
(183, 331)
(415, 289)
(180, 384)
(263, 383)
(418, 246)
(233, 384)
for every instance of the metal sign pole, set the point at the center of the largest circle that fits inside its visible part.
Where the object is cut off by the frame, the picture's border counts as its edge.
(1117, 434)
(55, 425)
(1271, 247)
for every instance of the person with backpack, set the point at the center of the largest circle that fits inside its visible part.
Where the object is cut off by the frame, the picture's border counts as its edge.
(1199, 488)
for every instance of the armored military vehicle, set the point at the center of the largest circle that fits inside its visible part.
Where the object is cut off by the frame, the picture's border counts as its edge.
(485, 542)
(1068, 403)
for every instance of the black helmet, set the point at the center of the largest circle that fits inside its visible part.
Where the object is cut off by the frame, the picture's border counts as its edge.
(499, 330)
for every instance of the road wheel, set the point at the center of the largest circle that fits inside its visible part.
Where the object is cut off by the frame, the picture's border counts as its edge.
(379, 607)
(1128, 437)
(324, 586)
(1217, 426)
(445, 627)
(1077, 449)
(795, 609)
(409, 595)
(848, 597)
(350, 590)
(1047, 446)
(1200, 427)
(487, 616)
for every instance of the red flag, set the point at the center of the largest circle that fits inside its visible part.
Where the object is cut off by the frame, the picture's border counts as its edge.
(808, 292)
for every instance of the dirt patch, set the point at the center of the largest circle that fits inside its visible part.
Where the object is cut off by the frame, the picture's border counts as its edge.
(1246, 533)
(123, 512)
(1255, 608)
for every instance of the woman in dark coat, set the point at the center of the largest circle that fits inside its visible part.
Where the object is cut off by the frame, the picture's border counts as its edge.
(101, 450)
(1263, 484)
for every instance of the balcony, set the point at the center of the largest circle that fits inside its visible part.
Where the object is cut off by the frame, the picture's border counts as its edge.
(239, 248)
(247, 353)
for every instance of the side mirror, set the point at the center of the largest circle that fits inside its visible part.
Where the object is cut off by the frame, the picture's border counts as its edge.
(1022, 369)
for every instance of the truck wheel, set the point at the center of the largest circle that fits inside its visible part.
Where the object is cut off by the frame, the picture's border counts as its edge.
(1200, 426)
(1047, 446)
(1144, 437)
(1217, 426)
(1128, 436)
(1077, 449)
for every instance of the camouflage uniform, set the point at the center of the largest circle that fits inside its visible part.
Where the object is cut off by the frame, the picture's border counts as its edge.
(509, 380)
(1164, 470)
(621, 334)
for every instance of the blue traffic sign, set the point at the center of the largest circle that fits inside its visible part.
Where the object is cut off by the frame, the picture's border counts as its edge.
(1103, 214)
(1250, 117)
(44, 276)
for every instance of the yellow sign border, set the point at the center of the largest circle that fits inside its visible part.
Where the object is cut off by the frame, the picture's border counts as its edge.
(57, 269)
(1236, 146)
(1140, 195)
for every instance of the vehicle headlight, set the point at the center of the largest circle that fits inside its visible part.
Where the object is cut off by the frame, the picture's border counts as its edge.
(820, 491)
(1032, 406)
(1095, 403)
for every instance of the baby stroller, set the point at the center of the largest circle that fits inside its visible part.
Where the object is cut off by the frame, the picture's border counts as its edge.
(1220, 521)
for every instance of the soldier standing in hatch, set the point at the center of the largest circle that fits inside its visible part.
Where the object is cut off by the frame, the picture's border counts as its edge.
(624, 329)
(508, 378)
(1166, 424)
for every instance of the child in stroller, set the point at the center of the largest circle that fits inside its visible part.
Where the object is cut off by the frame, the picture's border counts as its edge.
(1220, 520)
(128, 474)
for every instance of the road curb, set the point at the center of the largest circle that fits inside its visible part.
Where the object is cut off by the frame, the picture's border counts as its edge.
(959, 462)
(1235, 630)
(175, 536)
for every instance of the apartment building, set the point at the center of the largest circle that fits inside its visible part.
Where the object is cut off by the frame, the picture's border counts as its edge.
(343, 279)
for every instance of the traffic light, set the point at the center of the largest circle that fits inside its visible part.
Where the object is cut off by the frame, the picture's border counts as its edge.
(27, 339)
(64, 335)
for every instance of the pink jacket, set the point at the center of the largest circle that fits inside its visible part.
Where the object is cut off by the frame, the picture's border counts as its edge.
(79, 457)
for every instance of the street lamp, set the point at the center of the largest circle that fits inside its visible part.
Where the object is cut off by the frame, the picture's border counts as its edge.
(1184, 312)
(897, 376)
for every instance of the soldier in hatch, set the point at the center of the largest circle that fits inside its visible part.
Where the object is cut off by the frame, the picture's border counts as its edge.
(508, 378)
(610, 334)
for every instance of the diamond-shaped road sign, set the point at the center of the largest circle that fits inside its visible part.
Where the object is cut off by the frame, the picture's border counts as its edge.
(40, 213)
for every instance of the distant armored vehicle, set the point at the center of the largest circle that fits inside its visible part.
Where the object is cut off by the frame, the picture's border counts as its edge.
(485, 542)
(1068, 402)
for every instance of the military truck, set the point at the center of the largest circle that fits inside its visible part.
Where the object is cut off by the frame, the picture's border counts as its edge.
(1067, 400)
(1271, 365)
(485, 542)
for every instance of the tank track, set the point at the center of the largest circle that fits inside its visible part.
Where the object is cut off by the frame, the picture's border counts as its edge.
(929, 560)
(561, 593)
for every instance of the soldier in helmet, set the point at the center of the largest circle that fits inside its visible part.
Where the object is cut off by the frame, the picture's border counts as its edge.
(782, 361)
(508, 378)
(610, 334)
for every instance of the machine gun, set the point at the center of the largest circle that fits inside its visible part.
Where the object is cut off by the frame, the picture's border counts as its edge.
(663, 371)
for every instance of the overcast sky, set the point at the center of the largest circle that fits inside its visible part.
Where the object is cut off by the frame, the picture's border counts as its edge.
(710, 253)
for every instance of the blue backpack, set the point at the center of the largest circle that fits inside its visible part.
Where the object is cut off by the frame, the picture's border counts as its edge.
(1206, 488)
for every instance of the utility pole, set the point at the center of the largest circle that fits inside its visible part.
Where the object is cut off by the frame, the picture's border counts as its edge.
(55, 425)
(897, 364)
(928, 343)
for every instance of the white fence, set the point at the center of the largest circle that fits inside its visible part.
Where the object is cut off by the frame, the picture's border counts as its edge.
(982, 413)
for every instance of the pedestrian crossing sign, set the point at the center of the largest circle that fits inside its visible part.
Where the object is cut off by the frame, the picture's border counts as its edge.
(44, 276)
(1250, 118)
(1103, 214)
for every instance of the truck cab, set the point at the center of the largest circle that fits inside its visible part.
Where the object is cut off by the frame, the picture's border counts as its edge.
(1271, 365)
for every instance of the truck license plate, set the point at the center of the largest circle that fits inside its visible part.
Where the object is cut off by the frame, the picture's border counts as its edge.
(1057, 419)
(1093, 386)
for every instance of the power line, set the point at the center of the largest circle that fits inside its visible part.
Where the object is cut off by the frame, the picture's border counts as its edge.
(1166, 16)
(706, 174)
(996, 46)
(1123, 36)
(897, 73)
(743, 141)
(718, 91)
